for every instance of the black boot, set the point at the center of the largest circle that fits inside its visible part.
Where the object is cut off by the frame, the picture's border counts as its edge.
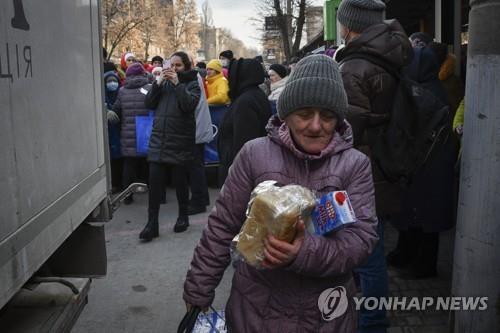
(181, 224)
(150, 231)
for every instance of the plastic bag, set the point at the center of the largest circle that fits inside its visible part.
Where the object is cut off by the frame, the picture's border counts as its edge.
(143, 128)
(211, 322)
(272, 210)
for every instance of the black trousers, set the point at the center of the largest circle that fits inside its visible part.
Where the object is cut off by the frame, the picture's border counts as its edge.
(421, 248)
(134, 169)
(117, 173)
(198, 178)
(157, 175)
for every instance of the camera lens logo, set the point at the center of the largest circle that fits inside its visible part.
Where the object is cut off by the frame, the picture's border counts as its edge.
(333, 303)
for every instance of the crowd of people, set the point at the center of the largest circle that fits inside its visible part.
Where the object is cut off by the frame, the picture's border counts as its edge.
(311, 122)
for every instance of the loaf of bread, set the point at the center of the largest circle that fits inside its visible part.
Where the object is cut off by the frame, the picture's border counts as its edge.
(274, 210)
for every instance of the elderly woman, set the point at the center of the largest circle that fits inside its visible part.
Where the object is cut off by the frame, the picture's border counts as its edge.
(310, 146)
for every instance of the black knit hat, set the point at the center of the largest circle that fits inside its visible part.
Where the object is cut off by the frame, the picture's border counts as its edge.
(157, 58)
(315, 82)
(228, 54)
(357, 15)
(279, 69)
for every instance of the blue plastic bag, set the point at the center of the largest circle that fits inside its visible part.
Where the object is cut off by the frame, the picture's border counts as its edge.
(143, 128)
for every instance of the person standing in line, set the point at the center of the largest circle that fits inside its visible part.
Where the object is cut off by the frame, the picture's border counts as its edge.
(174, 96)
(278, 77)
(157, 61)
(248, 113)
(226, 58)
(130, 104)
(217, 84)
(431, 190)
(111, 88)
(370, 92)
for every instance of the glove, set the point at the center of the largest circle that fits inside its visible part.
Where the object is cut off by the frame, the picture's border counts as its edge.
(113, 117)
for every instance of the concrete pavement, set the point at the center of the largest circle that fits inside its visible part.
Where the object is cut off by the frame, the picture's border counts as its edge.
(143, 289)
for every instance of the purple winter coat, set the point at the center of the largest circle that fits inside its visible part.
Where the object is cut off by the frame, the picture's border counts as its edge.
(286, 299)
(128, 105)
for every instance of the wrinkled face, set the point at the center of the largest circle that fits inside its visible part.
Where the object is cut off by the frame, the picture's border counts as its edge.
(211, 72)
(177, 64)
(312, 129)
(273, 76)
(157, 64)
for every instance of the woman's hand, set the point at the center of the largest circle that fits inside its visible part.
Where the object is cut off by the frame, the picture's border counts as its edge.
(280, 254)
(189, 307)
(170, 75)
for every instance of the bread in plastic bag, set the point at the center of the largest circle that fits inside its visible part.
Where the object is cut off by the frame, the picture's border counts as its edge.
(272, 210)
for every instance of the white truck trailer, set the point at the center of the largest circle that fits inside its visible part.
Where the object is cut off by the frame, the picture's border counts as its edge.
(54, 159)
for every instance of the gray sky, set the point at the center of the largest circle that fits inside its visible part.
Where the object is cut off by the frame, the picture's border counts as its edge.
(235, 15)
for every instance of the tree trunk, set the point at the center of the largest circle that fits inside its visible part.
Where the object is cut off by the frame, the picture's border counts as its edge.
(476, 269)
(283, 26)
(300, 27)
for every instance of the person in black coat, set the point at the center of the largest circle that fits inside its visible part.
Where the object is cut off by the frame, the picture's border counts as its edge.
(247, 117)
(428, 203)
(174, 96)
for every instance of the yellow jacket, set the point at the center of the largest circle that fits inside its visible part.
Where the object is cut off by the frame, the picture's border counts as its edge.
(218, 90)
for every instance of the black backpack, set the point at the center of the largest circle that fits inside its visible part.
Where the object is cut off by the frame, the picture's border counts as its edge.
(418, 123)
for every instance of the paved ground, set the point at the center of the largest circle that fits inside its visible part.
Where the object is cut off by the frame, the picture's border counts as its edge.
(143, 289)
(421, 321)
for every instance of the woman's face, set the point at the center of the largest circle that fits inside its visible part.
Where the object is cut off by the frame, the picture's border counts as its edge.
(112, 83)
(273, 76)
(130, 61)
(211, 72)
(312, 129)
(177, 64)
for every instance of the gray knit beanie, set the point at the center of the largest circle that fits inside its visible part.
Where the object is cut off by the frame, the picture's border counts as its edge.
(357, 15)
(315, 82)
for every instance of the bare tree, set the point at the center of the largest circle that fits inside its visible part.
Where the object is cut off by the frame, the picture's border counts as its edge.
(207, 23)
(119, 19)
(183, 25)
(289, 16)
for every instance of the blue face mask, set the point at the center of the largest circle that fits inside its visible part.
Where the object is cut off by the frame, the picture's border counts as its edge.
(112, 86)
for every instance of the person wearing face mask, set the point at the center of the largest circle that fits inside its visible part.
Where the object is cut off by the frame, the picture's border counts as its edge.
(111, 87)
(226, 57)
(174, 96)
(217, 85)
(370, 91)
(130, 104)
(278, 77)
(310, 144)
